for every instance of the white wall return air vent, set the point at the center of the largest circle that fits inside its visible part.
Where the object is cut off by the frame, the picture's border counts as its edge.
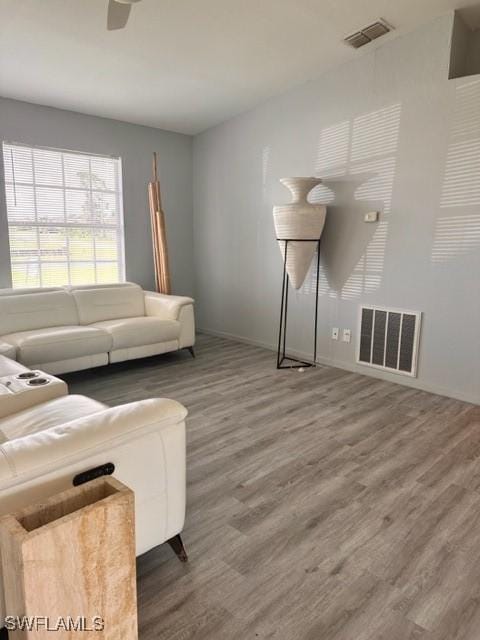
(369, 33)
(388, 339)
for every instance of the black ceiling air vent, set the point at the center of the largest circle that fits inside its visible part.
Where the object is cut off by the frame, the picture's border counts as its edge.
(367, 34)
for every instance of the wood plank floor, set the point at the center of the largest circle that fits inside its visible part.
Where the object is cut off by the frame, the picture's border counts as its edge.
(322, 505)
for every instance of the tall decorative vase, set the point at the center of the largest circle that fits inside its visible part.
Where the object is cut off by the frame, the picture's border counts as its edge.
(299, 220)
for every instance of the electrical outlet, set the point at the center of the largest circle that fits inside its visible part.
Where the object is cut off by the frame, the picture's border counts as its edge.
(371, 216)
(335, 333)
(347, 335)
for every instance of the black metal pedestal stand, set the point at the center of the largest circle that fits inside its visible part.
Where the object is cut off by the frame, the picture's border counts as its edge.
(282, 331)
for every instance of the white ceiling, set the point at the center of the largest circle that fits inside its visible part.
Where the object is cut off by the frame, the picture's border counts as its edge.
(183, 65)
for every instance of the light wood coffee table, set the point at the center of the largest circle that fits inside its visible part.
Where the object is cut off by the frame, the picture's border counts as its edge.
(24, 390)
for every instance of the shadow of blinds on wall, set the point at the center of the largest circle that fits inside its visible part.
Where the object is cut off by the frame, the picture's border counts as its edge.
(65, 217)
(365, 146)
(457, 230)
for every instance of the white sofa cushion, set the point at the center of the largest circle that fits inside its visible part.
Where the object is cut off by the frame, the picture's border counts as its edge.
(46, 415)
(27, 311)
(136, 332)
(96, 305)
(58, 343)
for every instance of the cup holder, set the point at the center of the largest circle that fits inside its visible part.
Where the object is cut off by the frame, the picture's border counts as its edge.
(38, 382)
(27, 375)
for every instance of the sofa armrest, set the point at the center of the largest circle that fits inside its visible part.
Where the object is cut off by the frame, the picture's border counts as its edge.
(165, 306)
(59, 447)
(10, 367)
(179, 308)
(8, 350)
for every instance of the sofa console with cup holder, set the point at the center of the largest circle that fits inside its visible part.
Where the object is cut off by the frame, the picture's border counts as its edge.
(64, 329)
(25, 389)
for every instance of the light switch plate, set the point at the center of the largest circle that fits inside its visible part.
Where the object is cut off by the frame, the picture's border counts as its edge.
(371, 216)
(347, 335)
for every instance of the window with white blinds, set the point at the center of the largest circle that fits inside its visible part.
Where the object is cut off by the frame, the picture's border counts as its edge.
(65, 217)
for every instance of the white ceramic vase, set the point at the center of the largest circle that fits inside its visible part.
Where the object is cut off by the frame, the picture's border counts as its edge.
(300, 219)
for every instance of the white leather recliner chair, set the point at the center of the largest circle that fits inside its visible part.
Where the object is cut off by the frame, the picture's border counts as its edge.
(44, 447)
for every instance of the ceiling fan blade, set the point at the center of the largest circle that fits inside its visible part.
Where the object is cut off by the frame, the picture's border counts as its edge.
(117, 15)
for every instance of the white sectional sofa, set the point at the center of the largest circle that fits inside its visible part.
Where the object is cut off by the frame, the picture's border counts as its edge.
(44, 446)
(71, 328)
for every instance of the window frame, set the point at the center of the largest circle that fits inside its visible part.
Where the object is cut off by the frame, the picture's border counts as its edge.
(119, 226)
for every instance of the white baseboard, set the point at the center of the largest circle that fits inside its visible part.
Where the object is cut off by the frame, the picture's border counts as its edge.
(354, 367)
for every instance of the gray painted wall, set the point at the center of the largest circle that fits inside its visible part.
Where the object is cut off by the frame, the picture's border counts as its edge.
(33, 124)
(392, 133)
